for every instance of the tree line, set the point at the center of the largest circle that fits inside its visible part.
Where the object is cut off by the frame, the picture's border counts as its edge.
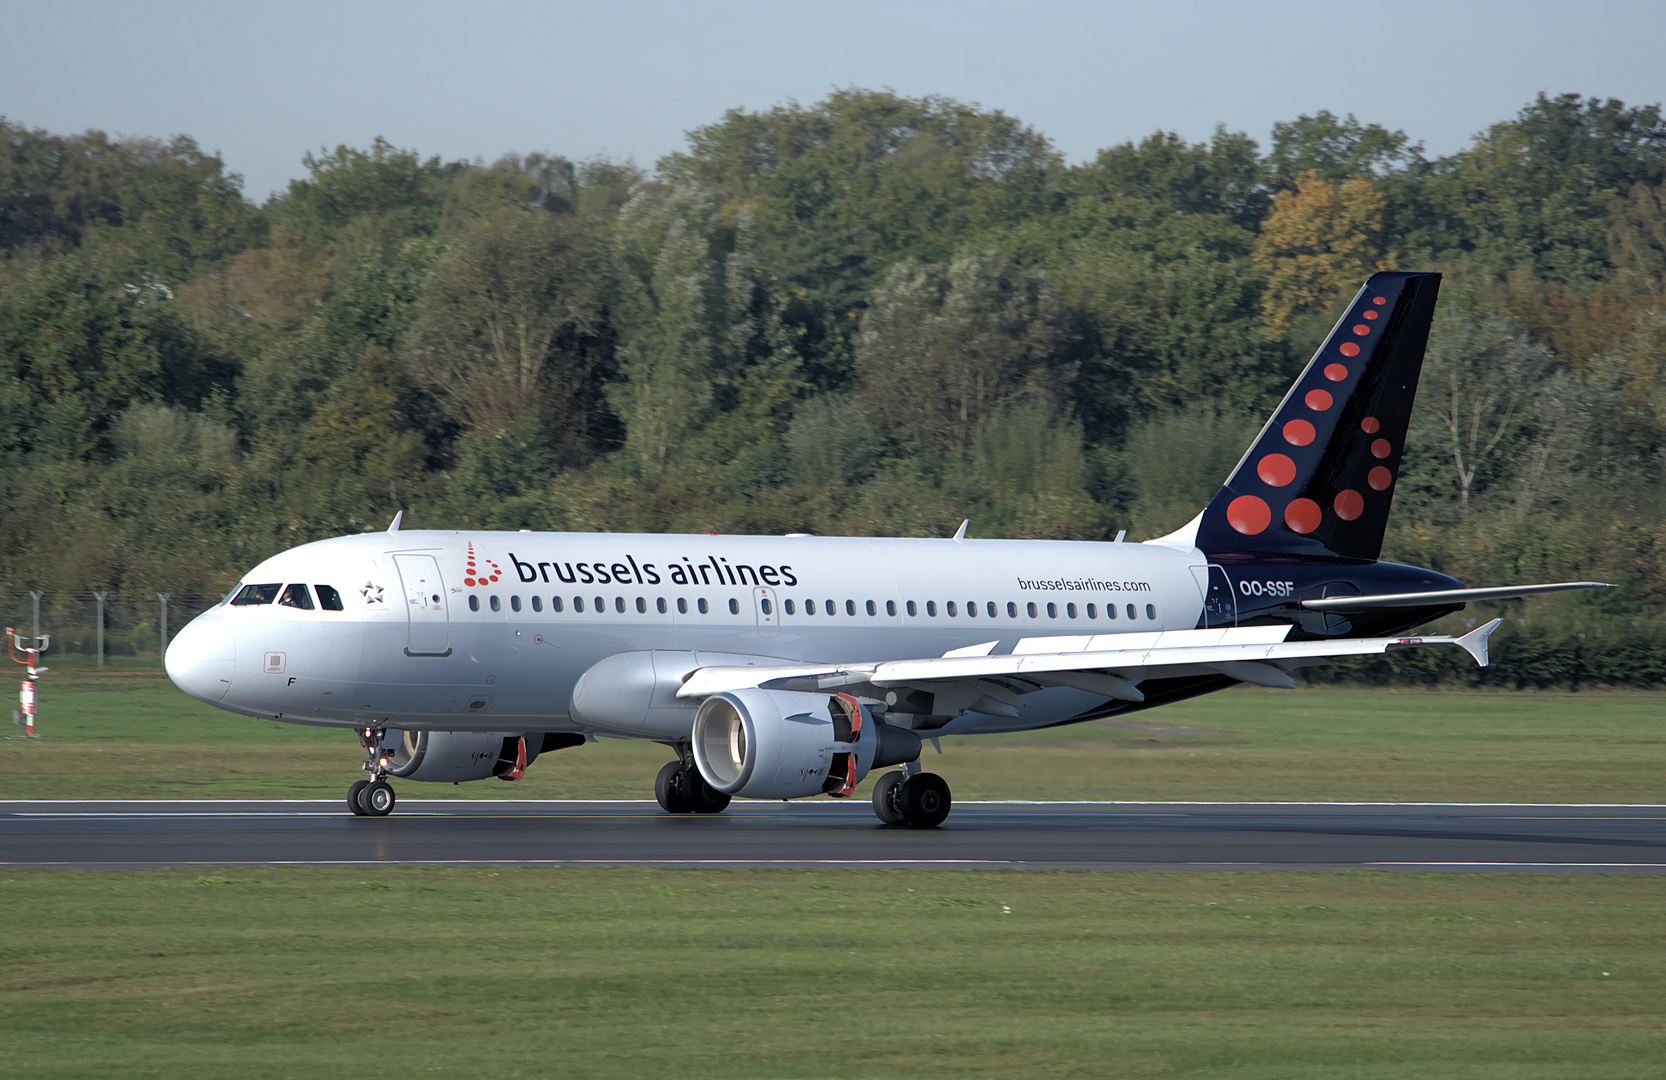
(868, 315)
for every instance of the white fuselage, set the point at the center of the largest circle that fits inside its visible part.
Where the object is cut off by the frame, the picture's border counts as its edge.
(490, 631)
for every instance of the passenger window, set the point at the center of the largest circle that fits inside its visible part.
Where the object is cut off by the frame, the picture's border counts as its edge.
(1070, 610)
(1052, 611)
(971, 609)
(850, 607)
(951, 609)
(682, 605)
(891, 607)
(256, 594)
(297, 596)
(641, 606)
(601, 605)
(619, 604)
(555, 603)
(1151, 612)
(578, 604)
(734, 606)
(474, 603)
(328, 598)
(494, 602)
(660, 604)
(789, 604)
(872, 610)
(1131, 613)
(514, 603)
(1110, 612)
(809, 607)
(990, 607)
(1030, 607)
(1012, 610)
(1093, 612)
(912, 610)
(768, 607)
(537, 603)
(931, 608)
(701, 604)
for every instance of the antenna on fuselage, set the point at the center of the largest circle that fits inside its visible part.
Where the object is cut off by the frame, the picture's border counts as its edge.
(397, 518)
(960, 533)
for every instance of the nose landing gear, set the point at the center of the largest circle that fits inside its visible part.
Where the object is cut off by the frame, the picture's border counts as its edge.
(373, 797)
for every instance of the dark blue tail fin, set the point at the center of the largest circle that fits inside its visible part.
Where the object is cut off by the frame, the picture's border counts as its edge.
(1320, 477)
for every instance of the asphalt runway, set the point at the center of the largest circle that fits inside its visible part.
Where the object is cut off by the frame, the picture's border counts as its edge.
(1085, 836)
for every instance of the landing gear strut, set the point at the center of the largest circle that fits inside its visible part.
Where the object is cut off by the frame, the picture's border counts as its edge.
(920, 801)
(373, 797)
(680, 789)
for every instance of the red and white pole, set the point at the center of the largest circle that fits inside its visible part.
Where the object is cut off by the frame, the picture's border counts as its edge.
(27, 699)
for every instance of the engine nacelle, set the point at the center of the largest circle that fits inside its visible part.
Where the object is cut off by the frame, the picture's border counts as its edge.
(456, 756)
(784, 744)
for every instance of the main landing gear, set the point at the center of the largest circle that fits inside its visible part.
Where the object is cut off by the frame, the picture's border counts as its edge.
(373, 797)
(918, 800)
(681, 789)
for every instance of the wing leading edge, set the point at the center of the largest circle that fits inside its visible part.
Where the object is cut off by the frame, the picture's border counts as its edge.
(1258, 655)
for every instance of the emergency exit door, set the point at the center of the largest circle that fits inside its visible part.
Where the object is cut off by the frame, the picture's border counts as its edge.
(425, 606)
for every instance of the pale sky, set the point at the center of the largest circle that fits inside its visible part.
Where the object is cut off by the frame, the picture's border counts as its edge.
(262, 84)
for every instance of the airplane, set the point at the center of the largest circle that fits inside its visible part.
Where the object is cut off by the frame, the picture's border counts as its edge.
(786, 667)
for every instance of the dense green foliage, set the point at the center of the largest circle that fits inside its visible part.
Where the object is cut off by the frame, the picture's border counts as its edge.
(871, 315)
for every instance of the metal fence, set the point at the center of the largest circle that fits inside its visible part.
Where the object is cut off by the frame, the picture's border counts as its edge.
(102, 624)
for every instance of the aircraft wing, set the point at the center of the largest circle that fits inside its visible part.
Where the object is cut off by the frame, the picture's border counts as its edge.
(1448, 596)
(1110, 664)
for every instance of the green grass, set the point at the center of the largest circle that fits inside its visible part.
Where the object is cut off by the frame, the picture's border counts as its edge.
(596, 972)
(127, 732)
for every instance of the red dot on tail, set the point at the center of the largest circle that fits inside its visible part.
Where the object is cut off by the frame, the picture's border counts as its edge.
(1248, 514)
(1380, 478)
(1318, 400)
(494, 577)
(1298, 433)
(1380, 448)
(1349, 504)
(1276, 469)
(1335, 372)
(1361, 329)
(1368, 315)
(469, 582)
(1303, 515)
(1369, 425)
(1379, 300)
(1348, 348)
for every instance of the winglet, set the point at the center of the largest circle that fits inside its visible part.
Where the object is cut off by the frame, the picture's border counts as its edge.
(1475, 642)
(960, 533)
(397, 518)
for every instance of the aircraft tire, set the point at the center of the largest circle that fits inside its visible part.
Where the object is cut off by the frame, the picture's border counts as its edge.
(885, 804)
(353, 794)
(669, 790)
(702, 797)
(377, 799)
(925, 801)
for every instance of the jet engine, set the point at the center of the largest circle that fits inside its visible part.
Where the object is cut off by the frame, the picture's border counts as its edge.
(456, 756)
(783, 744)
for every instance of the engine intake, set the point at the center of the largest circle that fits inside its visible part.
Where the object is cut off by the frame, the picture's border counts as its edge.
(781, 744)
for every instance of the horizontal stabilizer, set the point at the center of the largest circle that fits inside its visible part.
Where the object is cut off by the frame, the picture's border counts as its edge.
(1446, 596)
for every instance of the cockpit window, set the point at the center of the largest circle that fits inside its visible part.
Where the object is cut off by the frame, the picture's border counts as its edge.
(297, 596)
(256, 594)
(235, 589)
(328, 598)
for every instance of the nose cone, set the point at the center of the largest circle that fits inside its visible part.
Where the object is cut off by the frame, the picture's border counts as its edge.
(201, 657)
